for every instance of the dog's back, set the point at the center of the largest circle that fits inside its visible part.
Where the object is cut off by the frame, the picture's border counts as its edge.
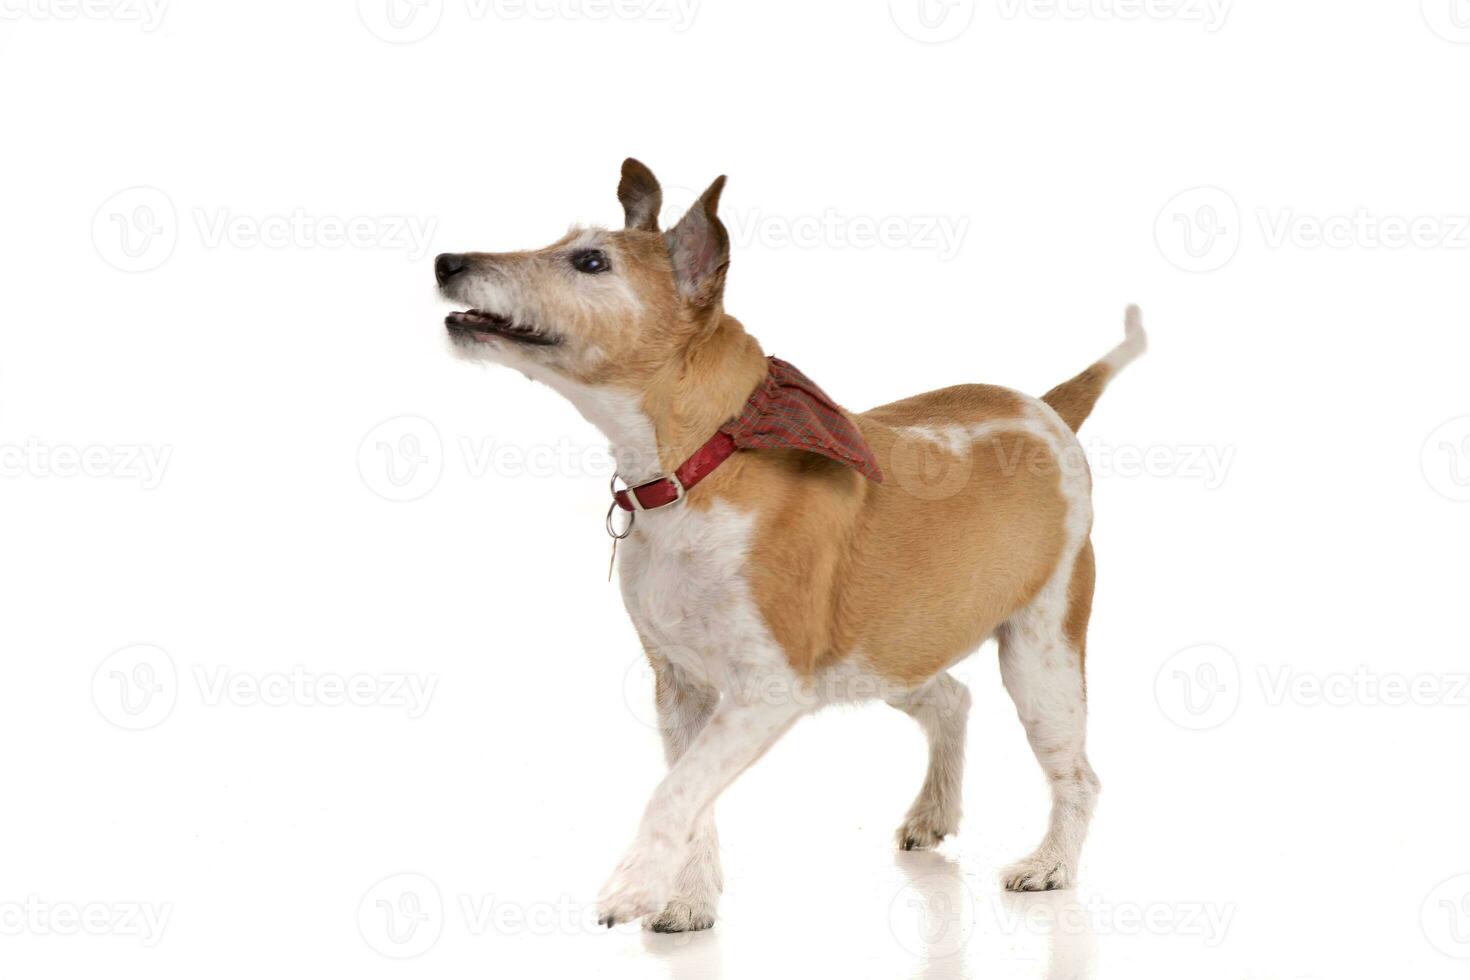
(986, 497)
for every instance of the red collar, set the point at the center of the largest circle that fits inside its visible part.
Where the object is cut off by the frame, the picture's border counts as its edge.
(786, 411)
(666, 489)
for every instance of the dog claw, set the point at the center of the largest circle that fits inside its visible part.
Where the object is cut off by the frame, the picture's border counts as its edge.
(1038, 874)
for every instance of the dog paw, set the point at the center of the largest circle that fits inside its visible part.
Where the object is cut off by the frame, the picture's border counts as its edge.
(682, 915)
(1041, 872)
(636, 889)
(924, 829)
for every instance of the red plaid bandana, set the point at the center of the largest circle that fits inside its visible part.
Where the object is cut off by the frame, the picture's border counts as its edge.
(786, 411)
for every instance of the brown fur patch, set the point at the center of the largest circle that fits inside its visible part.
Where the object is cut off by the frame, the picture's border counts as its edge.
(1074, 399)
(917, 571)
(1079, 600)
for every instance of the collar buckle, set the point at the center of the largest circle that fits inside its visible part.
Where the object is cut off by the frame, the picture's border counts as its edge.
(671, 478)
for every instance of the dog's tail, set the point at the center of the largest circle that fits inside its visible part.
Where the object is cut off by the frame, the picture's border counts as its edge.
(1073, 400)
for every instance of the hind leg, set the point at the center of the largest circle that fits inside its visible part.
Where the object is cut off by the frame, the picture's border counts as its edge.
(1041, 657)
(941, 707)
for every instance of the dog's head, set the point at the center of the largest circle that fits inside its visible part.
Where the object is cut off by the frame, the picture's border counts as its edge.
(595, 306)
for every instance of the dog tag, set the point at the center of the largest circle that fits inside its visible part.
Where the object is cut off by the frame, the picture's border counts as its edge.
(616, 537)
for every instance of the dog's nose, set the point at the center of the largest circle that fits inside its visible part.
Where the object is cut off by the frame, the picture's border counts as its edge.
(447, 266)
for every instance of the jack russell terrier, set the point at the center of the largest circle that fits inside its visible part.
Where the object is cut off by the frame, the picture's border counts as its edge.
(780, 553)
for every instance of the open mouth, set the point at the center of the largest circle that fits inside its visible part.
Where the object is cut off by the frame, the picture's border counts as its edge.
(481, 326)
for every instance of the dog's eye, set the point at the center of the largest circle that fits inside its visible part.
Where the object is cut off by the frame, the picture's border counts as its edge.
(591, 261)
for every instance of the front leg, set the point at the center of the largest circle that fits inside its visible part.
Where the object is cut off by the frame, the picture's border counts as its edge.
(684, 706)
(737, 733)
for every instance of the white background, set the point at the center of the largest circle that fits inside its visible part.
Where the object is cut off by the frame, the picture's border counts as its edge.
(333, 501)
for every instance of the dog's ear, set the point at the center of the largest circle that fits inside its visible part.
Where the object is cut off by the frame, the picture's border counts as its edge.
(640, 196)
(699, 248)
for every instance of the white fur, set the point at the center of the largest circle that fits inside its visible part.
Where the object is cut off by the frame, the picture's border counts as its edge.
(682, 575)
(960, 440)
(1043, 674)
(684, 708)
(1135, 341)
(619, 415)
(941, 707)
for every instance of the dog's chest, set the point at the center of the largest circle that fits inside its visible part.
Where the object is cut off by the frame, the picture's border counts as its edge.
(683, 575)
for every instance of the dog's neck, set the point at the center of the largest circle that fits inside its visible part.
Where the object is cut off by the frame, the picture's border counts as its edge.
(703, 391)
(652, 433)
